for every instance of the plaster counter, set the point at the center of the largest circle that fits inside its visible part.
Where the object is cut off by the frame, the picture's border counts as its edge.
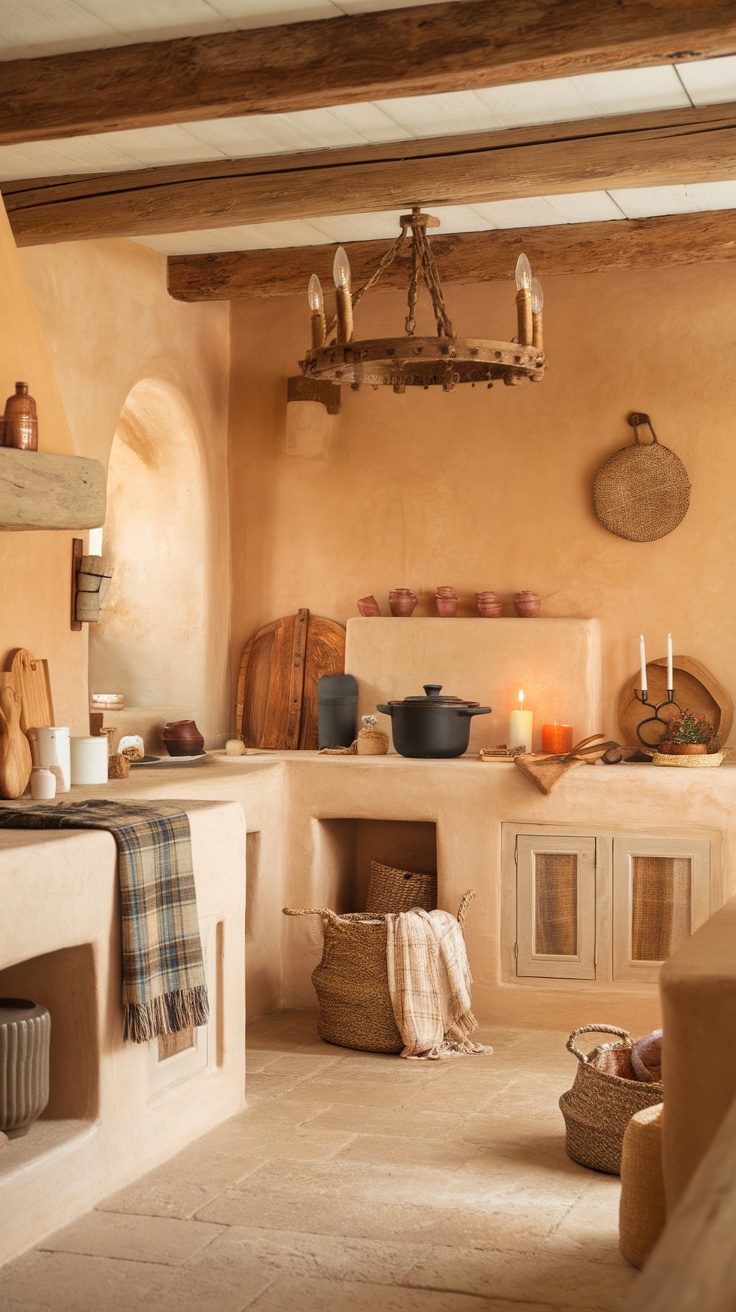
(116, 1109)
(314, 822)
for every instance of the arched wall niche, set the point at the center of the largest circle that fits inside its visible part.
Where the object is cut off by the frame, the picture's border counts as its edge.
(151, 640)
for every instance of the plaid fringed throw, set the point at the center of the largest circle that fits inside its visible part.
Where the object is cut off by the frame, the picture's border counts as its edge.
(429, 982)
(164, 987)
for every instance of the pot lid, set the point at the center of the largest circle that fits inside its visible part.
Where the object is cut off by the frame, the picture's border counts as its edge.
(432, 698)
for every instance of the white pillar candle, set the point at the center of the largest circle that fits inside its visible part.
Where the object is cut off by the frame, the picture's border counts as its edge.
(670, 679)
(520, 730)
(643, 658)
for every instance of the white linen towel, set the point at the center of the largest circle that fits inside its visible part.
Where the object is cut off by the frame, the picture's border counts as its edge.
(429, 982)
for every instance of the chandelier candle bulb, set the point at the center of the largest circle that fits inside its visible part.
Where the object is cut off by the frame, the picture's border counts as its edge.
(520, 726)
(643, 660)
(537, 303)
(317, 306)
(670, 675)
(343, 296)
(557, 738)
(524, 316)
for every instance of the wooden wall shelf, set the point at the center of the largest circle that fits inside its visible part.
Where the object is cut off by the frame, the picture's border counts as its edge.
(43, 491)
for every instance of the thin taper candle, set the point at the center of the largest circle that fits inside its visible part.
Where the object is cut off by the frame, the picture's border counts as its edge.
(670, 677)
(643, 657)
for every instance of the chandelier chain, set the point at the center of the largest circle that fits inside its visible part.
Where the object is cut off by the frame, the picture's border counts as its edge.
(410, 322)
(432, 279)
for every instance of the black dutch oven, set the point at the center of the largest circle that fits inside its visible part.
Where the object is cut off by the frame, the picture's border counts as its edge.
(432, 726)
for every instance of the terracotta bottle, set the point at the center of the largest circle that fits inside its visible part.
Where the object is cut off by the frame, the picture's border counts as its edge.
(20, 428)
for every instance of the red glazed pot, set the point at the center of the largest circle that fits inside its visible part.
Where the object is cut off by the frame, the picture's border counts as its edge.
(182, 738)
(401, 601)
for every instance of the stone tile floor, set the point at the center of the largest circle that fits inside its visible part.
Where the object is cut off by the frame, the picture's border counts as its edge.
(355, 1183)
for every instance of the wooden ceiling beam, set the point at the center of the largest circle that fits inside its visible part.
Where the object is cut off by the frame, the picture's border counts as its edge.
(666, 148)
(469, 257)
(296, 66)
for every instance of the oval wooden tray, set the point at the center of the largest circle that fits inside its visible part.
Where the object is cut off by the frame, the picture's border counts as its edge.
(695, 689)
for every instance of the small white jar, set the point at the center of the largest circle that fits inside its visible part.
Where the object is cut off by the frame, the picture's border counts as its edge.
(43, 783)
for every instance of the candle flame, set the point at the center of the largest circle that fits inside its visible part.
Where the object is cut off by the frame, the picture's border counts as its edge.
(521, 697)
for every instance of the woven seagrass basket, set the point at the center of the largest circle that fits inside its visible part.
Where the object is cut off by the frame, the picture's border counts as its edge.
(391, 889)
(601, 1102)
(351, 980)
(641, 492)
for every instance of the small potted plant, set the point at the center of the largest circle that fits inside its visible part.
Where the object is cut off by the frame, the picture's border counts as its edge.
(689, 734)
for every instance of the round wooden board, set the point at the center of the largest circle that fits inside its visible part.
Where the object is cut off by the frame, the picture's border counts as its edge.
(695, 689)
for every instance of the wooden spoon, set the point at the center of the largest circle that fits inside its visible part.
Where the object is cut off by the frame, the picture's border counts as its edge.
(15, 752)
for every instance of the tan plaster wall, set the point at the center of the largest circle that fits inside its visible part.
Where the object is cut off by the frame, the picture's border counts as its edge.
(35, 567)
(493, 490)
(110, 326)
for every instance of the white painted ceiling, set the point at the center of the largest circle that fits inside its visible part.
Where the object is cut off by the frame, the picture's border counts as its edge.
(41, 27)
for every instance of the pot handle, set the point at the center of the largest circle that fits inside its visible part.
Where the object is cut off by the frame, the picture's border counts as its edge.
(385, 710)
(472, 710)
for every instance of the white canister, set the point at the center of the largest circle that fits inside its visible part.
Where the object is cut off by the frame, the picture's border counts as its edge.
(50, 748)
(89, 760)
(43, 783)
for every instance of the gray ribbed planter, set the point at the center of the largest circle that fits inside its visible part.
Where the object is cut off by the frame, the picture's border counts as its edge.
(25, 1032)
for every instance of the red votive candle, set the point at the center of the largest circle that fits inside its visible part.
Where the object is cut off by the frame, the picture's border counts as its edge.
(556, 738)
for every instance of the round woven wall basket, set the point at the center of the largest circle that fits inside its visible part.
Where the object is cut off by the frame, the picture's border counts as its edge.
(641, 492)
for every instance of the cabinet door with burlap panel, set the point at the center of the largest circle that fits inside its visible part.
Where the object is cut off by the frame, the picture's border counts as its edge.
(556, 906)
(661, 893)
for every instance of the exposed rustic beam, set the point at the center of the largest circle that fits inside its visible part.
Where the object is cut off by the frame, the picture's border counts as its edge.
(669, 147)
(468, 257)
(39, 490)
(434, 48)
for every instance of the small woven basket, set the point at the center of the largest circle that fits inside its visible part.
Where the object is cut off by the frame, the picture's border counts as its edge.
(351, 980)
(391, 889)
(602, 1100)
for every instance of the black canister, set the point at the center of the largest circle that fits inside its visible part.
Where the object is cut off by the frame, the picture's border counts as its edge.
(337, 700)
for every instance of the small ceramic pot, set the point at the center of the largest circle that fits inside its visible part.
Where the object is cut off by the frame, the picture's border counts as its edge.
(182, 738)
(401, 601)
(446, 592)
(526, 604)
(489, 604)
(446, 606)
(685, 749)
(368, 606)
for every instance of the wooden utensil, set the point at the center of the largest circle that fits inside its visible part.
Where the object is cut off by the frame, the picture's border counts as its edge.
(277, 703)
(15, 752)
(30, 677)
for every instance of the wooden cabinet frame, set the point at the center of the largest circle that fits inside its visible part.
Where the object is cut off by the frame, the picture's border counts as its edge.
(612, 912)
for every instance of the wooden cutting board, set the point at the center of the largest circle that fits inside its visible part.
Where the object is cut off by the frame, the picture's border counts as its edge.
(29, 676)
(15, 752)
(277, 685)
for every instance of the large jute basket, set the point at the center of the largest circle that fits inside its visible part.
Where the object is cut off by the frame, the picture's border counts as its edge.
(602, 1100)
(351, 980)
(391, 889)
